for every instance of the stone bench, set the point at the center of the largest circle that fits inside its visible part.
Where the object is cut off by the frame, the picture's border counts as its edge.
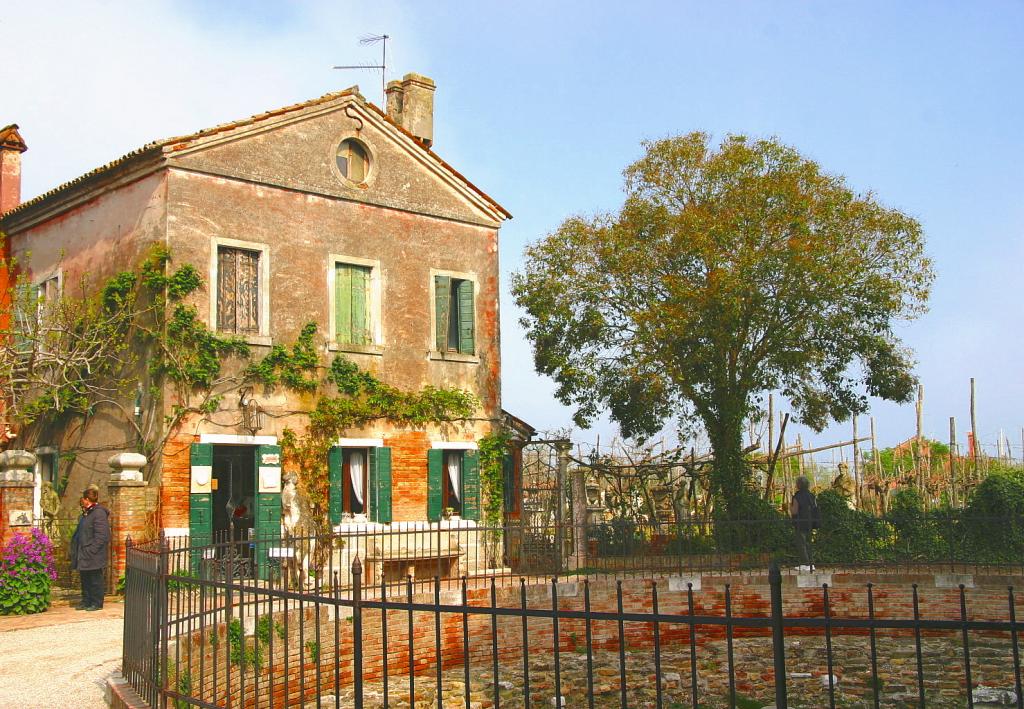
(394, 565)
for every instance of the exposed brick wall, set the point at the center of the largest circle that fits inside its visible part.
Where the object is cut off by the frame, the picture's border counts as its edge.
(750, 597)
(13, 497)
(130, 516)
(408, 475)
(175, 480)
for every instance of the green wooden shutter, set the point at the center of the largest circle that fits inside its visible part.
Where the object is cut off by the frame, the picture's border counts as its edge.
(268, 510)
(335, 493)
(200, 506)
(380, 485)
(471, 485)
(442, 306)
(467, 324)
(435, 478)
(360, 321)
(342, 302)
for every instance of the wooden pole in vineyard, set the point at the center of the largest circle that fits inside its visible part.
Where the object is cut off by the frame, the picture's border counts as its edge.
(974, 434)
(952, 461)
(919, 457)
(858, 494)
(877, 464)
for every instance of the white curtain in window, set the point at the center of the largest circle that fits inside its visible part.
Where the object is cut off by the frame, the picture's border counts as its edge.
(356, 466)
(454, 465)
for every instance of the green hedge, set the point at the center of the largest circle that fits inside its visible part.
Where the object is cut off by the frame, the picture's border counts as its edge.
(989, 530)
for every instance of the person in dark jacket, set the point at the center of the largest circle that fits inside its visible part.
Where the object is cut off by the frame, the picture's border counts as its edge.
(806, 518)
(90, 547)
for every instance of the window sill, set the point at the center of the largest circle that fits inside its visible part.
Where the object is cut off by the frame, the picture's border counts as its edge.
(453, 357)
(249, 339)
(377, 350)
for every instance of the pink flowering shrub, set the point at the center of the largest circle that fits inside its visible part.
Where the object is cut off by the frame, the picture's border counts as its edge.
(26, 571)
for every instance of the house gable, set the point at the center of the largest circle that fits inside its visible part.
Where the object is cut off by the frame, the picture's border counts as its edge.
(298, 151)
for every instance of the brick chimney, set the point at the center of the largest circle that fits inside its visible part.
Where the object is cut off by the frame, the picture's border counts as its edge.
(11, 148)
(411, 105)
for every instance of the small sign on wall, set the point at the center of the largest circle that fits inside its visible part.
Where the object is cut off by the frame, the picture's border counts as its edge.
(270, 459)
(20, 518)
(270, 479)
(201, 478)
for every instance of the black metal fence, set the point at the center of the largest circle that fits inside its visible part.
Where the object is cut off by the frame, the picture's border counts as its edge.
(221, 634)
(451, 550)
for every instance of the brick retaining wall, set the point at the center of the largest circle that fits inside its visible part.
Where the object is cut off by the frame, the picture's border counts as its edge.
(750, 597)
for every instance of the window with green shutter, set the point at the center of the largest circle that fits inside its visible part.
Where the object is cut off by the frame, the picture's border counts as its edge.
(471, 485)
(454, 315)
(380, 484)
(334, 491)
(352, 324)
(359, 483)
(453, 484)
(435, 480)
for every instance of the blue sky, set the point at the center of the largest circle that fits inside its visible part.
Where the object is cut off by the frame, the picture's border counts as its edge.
(543, 104)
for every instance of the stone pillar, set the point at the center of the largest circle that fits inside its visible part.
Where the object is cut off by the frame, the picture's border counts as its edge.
(17, 483)
(128, 514)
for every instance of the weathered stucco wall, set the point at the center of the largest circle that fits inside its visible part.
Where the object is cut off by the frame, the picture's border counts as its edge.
(301, 231)
(85, 246)
(299, 153)
(277, 188)
(107, 234)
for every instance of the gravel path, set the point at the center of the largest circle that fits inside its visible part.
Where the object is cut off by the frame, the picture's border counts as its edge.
(60, 658)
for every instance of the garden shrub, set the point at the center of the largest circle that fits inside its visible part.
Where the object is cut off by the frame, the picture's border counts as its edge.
(619, 537)
(847, 535)
(26, 572)
(920, 535)
(752, 525)
(994, 517)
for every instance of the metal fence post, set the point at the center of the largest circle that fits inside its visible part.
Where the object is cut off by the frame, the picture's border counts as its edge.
(163, 617)
(357, 632)
(778, 635)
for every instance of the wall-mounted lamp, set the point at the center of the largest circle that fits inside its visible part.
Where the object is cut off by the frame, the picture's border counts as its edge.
(252, 412)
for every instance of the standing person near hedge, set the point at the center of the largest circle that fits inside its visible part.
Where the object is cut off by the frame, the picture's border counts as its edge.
(806, 518)
(90, 548)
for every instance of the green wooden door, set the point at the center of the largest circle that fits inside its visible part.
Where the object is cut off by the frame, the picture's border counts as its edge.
(268, 506)
(200, 505)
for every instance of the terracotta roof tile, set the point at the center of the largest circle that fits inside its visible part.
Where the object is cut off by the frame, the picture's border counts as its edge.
(156, 148)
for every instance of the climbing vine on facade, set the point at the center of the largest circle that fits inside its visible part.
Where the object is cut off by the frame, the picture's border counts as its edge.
(350, 397)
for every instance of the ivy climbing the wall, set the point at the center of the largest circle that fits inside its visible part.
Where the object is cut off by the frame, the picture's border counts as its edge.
(93, 345)
(494, 448)
(350, 397)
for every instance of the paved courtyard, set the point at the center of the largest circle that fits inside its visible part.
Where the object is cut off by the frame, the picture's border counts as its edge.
(60, 658)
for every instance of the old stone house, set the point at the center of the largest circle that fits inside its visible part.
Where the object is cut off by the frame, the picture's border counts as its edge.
(331, 211)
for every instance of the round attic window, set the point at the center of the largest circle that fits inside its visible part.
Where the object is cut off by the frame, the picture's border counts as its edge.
(353, 160)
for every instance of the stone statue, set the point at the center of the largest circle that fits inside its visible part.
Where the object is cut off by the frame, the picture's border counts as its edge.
(49, 505)
(290, 511)
(843, 484)
(297, 565)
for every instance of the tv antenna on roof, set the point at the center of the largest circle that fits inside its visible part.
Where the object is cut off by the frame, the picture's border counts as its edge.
(367, 40)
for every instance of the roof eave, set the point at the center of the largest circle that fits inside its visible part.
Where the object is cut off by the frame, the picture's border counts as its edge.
(83, 189)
